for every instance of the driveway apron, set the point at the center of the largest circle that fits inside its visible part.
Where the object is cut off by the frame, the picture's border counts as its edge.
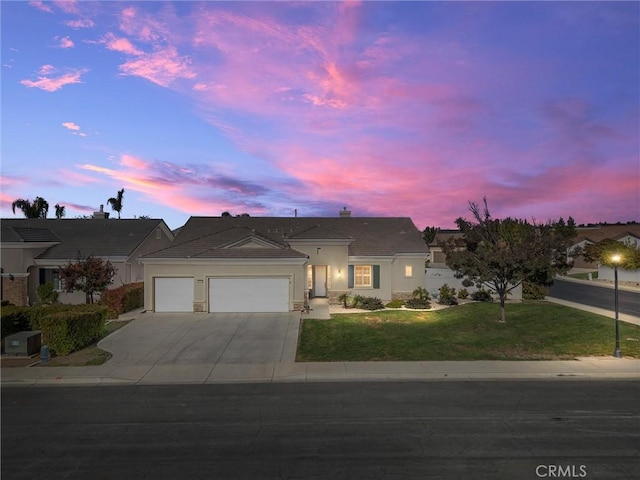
(197, 339)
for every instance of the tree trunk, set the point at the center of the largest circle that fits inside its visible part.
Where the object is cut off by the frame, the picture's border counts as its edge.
(502, 317)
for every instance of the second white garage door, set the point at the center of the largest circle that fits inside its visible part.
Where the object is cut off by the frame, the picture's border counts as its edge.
(249, 294)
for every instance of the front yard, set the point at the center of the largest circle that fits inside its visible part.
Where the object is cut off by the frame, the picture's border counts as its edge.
(534, 330)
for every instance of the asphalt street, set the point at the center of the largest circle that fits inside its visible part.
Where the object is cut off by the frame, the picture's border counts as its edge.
(426, 430)
(596, 296)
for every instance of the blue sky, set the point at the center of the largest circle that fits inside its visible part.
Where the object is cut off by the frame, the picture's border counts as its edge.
(388, 108)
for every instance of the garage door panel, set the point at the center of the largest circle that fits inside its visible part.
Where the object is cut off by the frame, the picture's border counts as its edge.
(249, 294)
(173, 294)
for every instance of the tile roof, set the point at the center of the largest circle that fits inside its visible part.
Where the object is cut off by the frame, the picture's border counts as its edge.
(84, 237)
(371, 236)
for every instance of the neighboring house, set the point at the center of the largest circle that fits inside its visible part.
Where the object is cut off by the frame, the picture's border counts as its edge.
(438, 273)
(627, 234)
(275, 264)
(34, 249)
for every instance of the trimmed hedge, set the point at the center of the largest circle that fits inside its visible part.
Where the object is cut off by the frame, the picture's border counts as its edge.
(38, 312)
(66, 332)
(123, 299)
(14, 319)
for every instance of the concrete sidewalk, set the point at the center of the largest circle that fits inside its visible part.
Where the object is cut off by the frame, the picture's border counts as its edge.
(587, 368)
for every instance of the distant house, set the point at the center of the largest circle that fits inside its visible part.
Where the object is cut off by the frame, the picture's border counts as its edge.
(34, 249)
(627, 234)
(275, 264)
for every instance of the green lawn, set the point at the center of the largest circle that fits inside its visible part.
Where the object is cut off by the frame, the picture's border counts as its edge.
(534, 330)
(584, 275)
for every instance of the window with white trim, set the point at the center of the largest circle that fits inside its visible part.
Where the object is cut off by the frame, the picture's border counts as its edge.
(408, 271)
(51, 275)
(362, 276)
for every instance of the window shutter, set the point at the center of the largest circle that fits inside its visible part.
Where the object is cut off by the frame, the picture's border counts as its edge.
(43, 277)
(351, 276)
(376, 276)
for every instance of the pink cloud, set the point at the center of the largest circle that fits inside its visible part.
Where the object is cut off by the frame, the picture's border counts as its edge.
(162, 67)
(41, 6)
(80, 23)
(120, 45)
(70, 126)
(51, 84)
(67, 6)
(66, 42)
(133, 162)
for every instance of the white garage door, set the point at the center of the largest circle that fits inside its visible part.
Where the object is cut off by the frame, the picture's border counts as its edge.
(173, 294)
(249, 294)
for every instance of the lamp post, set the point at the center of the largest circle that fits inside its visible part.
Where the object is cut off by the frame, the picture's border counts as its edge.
(615, 259)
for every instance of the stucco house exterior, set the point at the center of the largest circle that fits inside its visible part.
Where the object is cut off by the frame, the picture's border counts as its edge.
(32, 251)
(275, 264)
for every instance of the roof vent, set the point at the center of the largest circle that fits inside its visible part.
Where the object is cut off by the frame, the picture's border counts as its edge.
(345, 213)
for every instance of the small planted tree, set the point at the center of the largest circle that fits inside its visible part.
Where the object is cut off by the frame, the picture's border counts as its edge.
(501, 253)
(89, 276)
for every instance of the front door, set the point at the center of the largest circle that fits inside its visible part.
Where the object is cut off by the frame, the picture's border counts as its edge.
(320, 280)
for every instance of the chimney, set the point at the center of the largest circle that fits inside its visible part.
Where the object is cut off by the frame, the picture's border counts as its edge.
(101, 213)
(345, 213)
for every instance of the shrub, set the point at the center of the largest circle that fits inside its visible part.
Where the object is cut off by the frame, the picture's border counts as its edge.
(463, 293)
(447, 295)
(420, 293)
(357, 300)
(533, 291)
(123, 299)
(47, 293)
(481, 296)
(417, 303)
(14, 319)
(395, 304)
(371, 303)
(467, 283)
(67, 331)
(344, 298)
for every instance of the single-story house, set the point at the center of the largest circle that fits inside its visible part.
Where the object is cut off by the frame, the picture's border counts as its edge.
(275, 264)
(627, 234)
(439, 274)
(33, 250)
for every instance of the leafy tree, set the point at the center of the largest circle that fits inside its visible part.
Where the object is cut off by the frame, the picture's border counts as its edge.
(429, 234)
(60, 211)
(90, 275)
(602, 252)
(38, 209)
(500, 254)
(116, 202)
(47, 293)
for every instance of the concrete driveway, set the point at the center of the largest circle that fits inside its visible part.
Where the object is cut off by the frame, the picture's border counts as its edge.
(196, 339)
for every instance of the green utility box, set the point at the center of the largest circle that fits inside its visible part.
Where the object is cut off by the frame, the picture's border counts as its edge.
(23, 343)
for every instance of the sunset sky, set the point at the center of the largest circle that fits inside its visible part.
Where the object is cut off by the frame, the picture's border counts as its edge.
(389, 108)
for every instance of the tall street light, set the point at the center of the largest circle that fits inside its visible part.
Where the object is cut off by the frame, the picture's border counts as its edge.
(615, 259)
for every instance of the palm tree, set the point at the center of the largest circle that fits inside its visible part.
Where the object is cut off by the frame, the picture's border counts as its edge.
(116, 203)
(60, 211)
(37, 209)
